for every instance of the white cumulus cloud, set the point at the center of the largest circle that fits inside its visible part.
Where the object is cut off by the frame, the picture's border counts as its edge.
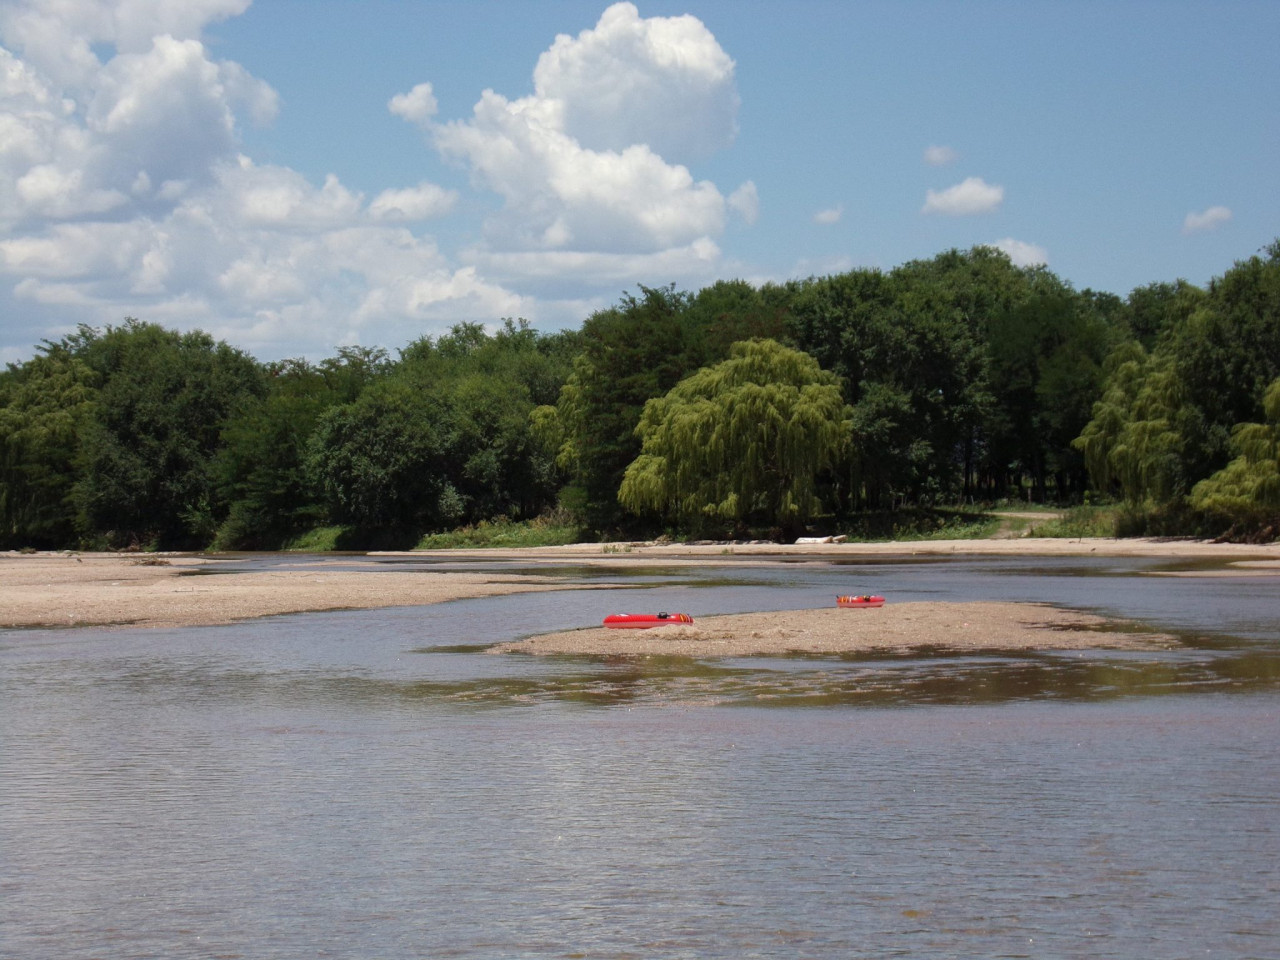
(936, 156)
(830, 215)
(585, 162)
(745, 202)
(123, 192)
(417, 106)
(1023, 254)
(125, 188)
(973, 195)
(663, 82)
(423, 202)
(1205, 220)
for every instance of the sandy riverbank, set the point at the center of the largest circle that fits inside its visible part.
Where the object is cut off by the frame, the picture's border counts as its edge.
(151, 591)
(58, 591)
(1243, 558)
(969, 627)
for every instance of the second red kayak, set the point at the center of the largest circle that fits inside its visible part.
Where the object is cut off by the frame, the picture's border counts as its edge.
(642, 621)
(862, 600)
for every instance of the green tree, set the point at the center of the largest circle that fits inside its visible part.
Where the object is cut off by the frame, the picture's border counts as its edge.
(443, 437)
(1246, 492)
(911, 349)
(260, 468)
(1046, 372)
(44, 404)
(1156, 308)
(629, 354)
(381, 461)
(730, 311)
(354, 368)
(743, 440)
(145, 456)
(492, 382)
(1165, 421)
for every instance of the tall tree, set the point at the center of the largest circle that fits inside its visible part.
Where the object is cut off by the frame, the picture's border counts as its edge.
(1156, 308)
(261, 469)
(145, 455)
(739, 441)
(1165, 422)
(443, 438)
(1247, 490)
(44, 404)
(1046, 373)
(630, 353)
(910, 347)
(381, 461)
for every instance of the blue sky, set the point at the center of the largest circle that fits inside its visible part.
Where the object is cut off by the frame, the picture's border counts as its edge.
(296, 175)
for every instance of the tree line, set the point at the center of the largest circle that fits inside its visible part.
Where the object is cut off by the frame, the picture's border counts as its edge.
(734, 409)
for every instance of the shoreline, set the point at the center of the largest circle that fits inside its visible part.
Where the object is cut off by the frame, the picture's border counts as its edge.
(968, 626)
(1260, 556)
(170, 590)
(167, 590)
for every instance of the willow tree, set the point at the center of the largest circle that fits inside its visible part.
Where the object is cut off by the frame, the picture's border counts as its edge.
(743, 440)
(1247, 490)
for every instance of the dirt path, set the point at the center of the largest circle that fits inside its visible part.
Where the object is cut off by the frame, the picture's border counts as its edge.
(1009, 527)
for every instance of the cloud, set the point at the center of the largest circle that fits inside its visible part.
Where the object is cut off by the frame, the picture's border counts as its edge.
(745, 202)
(423, 202)
(130, 135)
(663, 82)
(280, 198)
(1206, 220)
(1023, 254)
(417, 106)
(971, 196)
(583, 163)
(58, 39)
(123, 193)
(125, 189)
(830, 215)
(940, 156)
(695, 262)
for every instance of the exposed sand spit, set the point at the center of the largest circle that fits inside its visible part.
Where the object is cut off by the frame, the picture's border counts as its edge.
(903, 626)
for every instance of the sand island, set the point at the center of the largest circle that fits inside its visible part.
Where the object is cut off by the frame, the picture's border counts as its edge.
(898, 627)
(142, 591)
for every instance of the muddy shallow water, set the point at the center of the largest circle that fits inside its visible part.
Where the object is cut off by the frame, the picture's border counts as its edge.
(372, 784)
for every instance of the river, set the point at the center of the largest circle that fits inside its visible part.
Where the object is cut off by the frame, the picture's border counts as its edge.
(373, 785)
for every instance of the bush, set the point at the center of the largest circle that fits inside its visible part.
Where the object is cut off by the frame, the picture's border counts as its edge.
(1086, 521)
(549, 530)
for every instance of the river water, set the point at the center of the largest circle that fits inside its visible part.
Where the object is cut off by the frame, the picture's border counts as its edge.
(373, 785)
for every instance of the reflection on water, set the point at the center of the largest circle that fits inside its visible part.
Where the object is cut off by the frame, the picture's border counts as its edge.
(373, 784)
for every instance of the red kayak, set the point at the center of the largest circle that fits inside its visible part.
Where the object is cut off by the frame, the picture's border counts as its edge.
(642, 621)
(862, 600)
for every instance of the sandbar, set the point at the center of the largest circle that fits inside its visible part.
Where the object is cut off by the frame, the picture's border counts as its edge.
(148, 590)
(963, 626)
(1242, 559)
(152, 591)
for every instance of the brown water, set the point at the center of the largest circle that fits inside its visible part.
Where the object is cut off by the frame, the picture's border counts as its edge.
(372, 785)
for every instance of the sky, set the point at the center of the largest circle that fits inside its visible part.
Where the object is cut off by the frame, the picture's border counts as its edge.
(293, 176)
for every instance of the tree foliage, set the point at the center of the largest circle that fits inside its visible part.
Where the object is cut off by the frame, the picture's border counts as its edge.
(629, 354)
(746, 438)
(145, 454)
(943, 362)
(964, 377)
(44, 405)
(1171, 418)
(1247, 490)
(444, 437)
(260, 469)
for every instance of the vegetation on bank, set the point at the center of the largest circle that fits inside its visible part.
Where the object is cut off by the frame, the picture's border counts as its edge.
(863, 403)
